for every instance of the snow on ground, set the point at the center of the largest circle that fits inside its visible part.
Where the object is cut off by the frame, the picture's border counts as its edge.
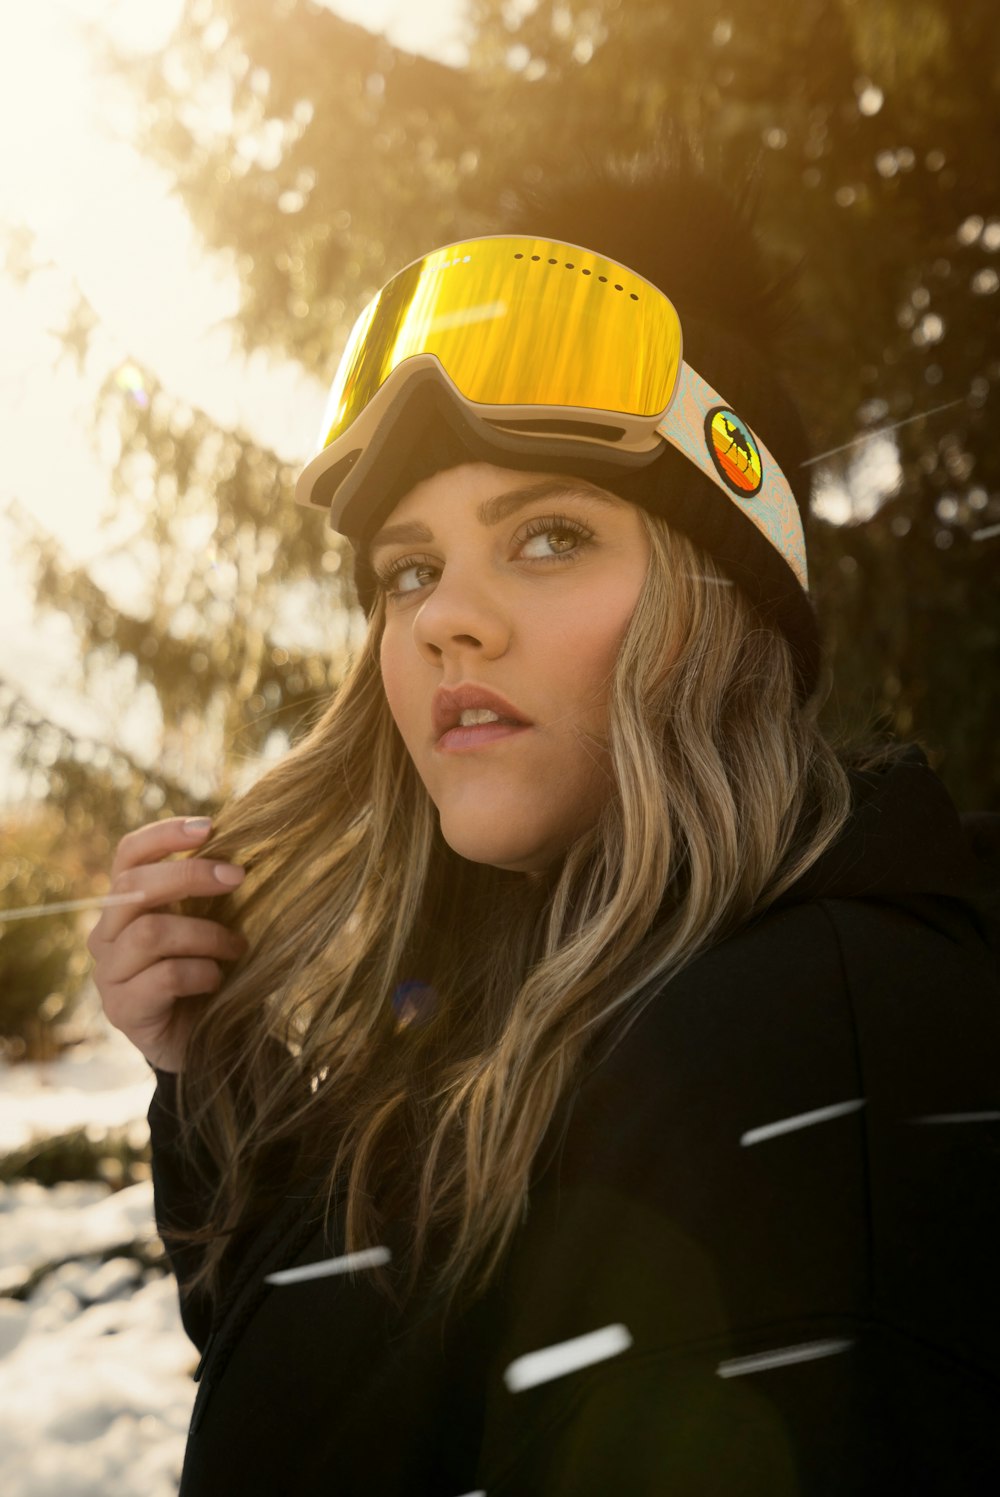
(95, 1368)
(95, 1385)
(68, 1220)
(104, 1083)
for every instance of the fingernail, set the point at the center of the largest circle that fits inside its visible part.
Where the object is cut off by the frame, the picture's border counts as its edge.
(195, 825)
(228, 873)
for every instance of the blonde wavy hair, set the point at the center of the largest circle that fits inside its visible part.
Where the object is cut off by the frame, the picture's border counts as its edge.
(723, 791)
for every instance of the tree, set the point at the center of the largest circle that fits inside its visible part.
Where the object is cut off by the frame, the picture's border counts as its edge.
(333, 159)
(877, 122)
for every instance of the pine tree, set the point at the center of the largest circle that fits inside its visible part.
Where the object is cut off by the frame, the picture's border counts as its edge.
(338, 158)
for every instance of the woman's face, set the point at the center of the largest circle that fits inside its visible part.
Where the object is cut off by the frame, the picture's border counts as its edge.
(521, 585)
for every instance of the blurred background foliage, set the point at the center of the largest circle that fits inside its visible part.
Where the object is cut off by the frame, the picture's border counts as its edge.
(318, 159)
(43, 964)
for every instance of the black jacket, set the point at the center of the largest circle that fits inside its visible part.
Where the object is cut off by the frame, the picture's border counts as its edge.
(812, 1310)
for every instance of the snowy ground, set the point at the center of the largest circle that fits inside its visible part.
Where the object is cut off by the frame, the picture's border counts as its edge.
(95, 1368)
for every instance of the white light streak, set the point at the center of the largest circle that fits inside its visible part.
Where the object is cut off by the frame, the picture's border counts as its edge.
(957, 1117)
(881, 431)
(802, 1120)
(35, 911)
(984, 535)
(566, 1356)
(486, 312)
(809, 1350)
(366, 1258)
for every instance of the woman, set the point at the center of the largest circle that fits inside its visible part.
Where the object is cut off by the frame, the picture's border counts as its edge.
(567, 974)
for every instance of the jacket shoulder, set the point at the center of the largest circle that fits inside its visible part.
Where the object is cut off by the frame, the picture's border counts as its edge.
(768, 989)
(714, 1192)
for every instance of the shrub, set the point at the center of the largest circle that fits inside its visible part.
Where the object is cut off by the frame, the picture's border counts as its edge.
(43, 959)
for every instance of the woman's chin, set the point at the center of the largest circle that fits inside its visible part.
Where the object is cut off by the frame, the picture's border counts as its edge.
(499, 849)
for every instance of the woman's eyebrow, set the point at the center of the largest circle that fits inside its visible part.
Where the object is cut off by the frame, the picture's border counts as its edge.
(499, 507)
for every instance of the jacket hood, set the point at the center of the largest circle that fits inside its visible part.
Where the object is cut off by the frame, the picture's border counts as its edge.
(907, 837)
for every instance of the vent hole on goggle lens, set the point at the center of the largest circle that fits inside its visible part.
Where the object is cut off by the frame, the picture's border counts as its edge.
(569, 265)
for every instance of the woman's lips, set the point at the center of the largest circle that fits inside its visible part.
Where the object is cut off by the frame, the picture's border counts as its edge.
(450, 702)
(461, 740)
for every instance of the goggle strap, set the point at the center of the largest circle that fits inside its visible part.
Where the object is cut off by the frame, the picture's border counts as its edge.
(710, 434)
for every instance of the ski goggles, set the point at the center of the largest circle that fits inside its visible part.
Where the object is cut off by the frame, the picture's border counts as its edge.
(553, 346)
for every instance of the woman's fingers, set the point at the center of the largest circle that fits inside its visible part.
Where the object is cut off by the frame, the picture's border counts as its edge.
(158, 839)
(157, 938)
(139, 868)
(151, 1010)
(144, 961)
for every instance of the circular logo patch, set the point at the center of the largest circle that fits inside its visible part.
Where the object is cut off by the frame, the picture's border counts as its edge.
(734, 450)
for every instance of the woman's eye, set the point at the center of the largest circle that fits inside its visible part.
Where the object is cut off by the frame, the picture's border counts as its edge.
(403, 576)
(549, 540)
(546, 539)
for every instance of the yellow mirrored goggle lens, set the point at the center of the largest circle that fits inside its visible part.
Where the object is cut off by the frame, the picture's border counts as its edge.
(517, 321)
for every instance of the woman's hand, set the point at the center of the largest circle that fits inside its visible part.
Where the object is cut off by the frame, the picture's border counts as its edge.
(145, 962)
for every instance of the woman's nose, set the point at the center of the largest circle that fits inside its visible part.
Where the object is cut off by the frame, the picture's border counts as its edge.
(461, 614)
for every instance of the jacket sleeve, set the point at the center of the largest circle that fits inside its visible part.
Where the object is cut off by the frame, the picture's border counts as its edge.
(180, 1199)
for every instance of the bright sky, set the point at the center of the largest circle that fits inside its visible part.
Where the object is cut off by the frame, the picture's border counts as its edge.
(103, 215)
